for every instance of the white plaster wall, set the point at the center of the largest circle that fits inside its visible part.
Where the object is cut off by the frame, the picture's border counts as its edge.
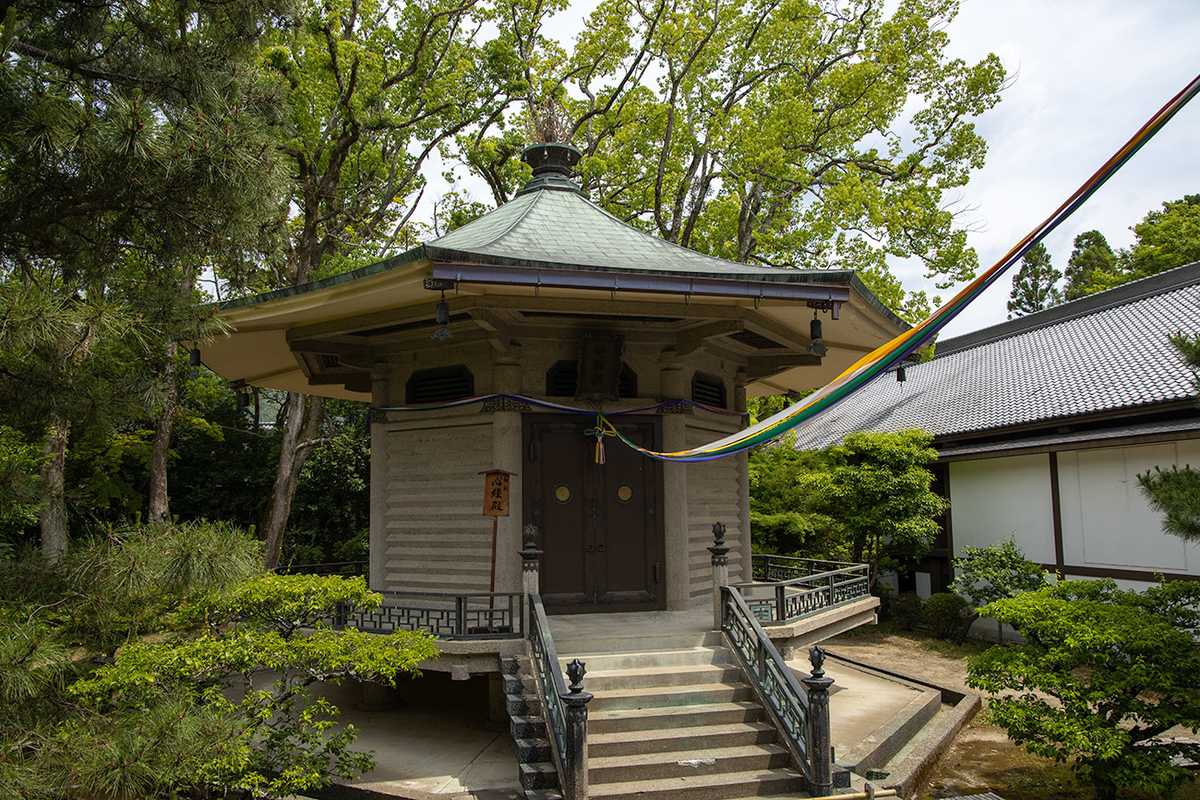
(993, 499)
(1106, 521)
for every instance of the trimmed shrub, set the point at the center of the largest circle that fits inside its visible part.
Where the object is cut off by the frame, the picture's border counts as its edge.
(906, 610)
(946, 613)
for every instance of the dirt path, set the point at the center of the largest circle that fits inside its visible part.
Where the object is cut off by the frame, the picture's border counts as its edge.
(982, 759)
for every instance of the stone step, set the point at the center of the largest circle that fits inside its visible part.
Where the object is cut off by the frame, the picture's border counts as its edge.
(617, 720)
(604, 681)
(673, 740)
(540, 775)
(568, 645)
(725, 786)
(671, 696)
(660, 766)
(682, 657)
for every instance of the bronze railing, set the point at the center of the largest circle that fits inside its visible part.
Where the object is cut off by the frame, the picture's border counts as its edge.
(470, 616)
(809, 588)
(768, 672)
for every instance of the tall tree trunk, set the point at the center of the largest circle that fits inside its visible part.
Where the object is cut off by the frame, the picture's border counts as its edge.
(160, 509)
(54, 513)
(303, 418)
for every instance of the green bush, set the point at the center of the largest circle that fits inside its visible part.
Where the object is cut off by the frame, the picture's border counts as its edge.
(906, 610)
(946, 613)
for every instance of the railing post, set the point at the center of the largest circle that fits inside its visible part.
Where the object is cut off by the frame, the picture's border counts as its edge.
(530, 571)
(819, 743)
(576, 756)
(780, 601)
(720, 565)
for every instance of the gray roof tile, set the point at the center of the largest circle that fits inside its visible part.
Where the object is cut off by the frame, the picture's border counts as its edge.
(1103, 353)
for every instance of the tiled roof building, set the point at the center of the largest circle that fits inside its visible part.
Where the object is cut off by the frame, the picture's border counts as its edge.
(1043, 424)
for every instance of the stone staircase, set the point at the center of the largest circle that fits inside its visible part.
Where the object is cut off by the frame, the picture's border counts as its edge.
(539, 778)
(678, 722)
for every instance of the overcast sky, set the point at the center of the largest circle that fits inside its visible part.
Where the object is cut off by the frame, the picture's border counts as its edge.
(1088, 73)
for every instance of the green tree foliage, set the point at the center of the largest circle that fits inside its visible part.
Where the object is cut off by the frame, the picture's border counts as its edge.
(877, 488)
(133, 152)
(779, 518)
(1092, 263)
(161, 663)
(1166, 239)
(1035, 286)
(1100, 676)
(763, 131)
(995, 572)
(20, 488)
(373, 89)
(1176, 492)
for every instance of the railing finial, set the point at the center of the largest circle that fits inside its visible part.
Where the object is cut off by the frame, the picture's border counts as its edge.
(576, 671)
(816, 657)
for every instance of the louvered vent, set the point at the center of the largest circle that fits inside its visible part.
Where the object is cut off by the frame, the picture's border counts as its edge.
(562, 380)
(709, 390)
(439, 385)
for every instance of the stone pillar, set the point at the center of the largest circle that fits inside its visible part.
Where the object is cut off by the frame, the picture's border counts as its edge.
(530, 571)
(506, 455)
(576, 701)
(377, 514)
(675, 488)
(720, 565)
(820, 752)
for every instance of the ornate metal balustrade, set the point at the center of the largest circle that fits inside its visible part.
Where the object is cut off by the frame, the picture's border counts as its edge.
(771, 568)
(821, 585)
(477, 615)
(565, 710)
(773, 680)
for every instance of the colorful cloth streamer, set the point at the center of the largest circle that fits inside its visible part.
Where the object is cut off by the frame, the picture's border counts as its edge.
(883, 358)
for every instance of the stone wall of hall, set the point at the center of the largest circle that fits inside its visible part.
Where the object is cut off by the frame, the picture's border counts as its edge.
(713, 492)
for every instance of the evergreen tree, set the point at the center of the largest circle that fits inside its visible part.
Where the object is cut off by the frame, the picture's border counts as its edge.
(1034, 288)
(1176, 492)
(133, 150)
(1092, 263)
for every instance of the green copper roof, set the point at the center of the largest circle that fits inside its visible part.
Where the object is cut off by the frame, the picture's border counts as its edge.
(554, 226)
(565, 228)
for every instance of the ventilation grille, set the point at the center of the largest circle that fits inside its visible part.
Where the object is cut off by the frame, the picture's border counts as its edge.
(709, 390)
(755, 340)
(439, 385)
(562, 380)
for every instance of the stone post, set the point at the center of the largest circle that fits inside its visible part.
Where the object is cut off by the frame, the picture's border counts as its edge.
(576, 701)
(720, 565)
(530, 571)
(820, 752)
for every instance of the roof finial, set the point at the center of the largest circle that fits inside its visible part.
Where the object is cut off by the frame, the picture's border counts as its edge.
(550, 156)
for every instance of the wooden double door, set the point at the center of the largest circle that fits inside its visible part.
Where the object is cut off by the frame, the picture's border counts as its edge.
(600, 525)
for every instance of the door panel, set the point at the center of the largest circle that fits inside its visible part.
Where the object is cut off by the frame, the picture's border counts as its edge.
(599, 524)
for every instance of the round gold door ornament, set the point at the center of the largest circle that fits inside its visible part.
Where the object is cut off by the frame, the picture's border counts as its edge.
(624, 493)
(562, 494)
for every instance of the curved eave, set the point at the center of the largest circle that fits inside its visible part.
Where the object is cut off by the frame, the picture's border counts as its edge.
(257, 351)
